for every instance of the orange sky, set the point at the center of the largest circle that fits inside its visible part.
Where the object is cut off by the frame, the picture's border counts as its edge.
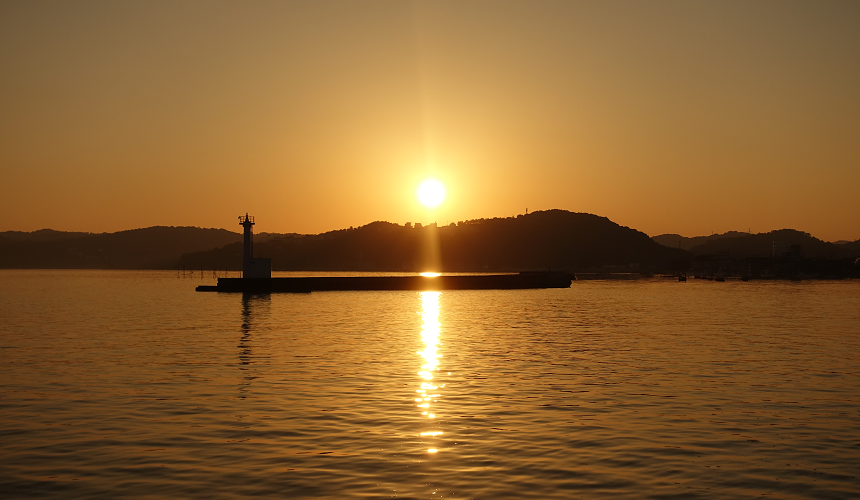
(690, 117)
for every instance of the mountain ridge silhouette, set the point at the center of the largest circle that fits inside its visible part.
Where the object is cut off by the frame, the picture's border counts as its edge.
(156, 247)
(554, 239)
(760, 245)
(550, 239)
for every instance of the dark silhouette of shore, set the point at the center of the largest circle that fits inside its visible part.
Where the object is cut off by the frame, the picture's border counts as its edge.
(781, 254)
(677, 241)
(556, 240)
(553, 239)
(156, 247)
(745, 245)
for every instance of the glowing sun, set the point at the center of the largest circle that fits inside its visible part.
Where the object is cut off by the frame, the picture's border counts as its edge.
(431, 193)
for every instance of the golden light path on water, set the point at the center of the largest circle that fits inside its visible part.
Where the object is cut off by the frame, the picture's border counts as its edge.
(429, 391)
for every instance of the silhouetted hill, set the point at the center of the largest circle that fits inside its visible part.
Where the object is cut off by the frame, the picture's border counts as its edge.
(852, 248)
(762, 245)
(41, 235)
(156, 247)
(554, 239)
(677, 241)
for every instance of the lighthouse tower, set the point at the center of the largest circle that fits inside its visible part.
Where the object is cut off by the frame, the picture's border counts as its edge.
(252, 267)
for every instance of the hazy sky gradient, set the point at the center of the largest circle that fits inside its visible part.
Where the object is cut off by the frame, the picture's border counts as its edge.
(676, 116)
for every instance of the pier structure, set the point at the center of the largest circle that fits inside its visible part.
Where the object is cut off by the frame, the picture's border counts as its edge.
(252, 267)
(368, 283)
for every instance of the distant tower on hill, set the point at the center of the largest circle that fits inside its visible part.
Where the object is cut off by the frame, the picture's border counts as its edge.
(252, 267)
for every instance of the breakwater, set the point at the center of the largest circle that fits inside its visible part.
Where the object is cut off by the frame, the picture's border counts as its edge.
(418, 283)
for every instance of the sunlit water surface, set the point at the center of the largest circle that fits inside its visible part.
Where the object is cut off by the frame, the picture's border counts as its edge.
(130, 384)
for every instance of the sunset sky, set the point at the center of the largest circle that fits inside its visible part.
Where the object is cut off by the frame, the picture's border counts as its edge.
(686, 116)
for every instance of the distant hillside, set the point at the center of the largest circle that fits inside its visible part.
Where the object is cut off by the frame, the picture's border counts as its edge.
(762, 244)
(41, 235)
(678, 241)
(156, 247)
(550, 239)
(554, 239)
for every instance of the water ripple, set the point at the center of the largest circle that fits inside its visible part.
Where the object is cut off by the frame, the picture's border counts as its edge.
(130, 384)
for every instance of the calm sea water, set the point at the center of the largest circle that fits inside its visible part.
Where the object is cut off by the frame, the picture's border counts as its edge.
(130, 384)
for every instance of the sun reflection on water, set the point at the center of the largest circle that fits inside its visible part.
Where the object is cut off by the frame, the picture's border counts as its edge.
(430, 329)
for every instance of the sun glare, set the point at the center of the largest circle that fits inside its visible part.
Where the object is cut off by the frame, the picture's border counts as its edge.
(431, 193)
